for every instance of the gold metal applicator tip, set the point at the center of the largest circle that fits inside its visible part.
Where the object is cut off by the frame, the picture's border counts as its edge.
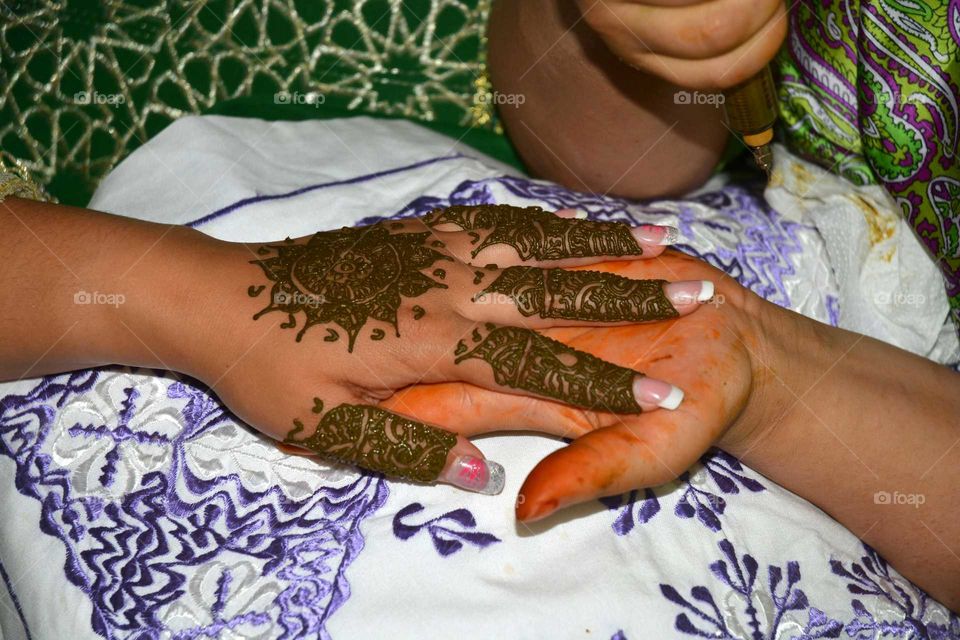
(763, 156)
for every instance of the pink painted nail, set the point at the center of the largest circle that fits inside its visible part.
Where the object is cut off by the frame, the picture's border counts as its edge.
(475, 474)
(688, 291)
(656, 234)
(651, 392)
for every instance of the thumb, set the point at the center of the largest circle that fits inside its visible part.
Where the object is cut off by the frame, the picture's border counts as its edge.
(610, 461)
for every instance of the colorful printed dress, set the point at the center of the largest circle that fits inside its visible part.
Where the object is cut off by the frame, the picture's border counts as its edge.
(870, 89)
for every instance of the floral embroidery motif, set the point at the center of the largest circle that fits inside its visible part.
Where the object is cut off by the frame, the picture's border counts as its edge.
(171, 522)
(724, 470)
(448, 532)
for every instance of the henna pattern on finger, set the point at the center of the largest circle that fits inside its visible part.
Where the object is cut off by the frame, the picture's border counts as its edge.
(537, 234)
(377, 440)
(582, 295)
(347, 277)
(524, 359)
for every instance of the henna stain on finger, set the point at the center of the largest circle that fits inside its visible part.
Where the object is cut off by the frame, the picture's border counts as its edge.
(377, 440)
(583, 295)
(537, 234)
(524, 359)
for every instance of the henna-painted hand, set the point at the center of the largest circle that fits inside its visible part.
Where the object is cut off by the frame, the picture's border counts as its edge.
(345, 318)
(691, 43)
(715, 355)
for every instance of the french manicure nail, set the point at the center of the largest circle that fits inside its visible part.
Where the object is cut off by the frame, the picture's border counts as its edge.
(656, 234)
(475, 474)
(688, 291)
(580, 215)
(657, 393)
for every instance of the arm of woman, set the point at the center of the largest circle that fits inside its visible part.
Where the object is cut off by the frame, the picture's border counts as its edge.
(302, 337)
(600, 80)
(867, 432)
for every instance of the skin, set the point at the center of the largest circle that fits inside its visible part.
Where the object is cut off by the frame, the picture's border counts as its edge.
(605, 73)
(808, 405)
(302, 338)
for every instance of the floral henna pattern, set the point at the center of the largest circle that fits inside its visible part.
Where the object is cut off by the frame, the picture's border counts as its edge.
(377, 440)
(347, 277)
(537, 234)
(582, 295)
(524, 359)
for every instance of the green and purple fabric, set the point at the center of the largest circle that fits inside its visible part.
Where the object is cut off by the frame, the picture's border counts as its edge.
(870, 90)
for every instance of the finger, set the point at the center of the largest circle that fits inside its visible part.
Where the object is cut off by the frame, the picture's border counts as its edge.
(611, 461)
(720, 72)
(481, 411)
(505, 358)
(541, 298)
(507, 235)
(389, 443)
(690, 32)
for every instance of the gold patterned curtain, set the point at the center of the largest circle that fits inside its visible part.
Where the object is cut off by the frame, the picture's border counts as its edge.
(84, 82)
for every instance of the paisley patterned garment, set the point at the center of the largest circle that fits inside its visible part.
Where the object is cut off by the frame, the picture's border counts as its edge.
(870, 89)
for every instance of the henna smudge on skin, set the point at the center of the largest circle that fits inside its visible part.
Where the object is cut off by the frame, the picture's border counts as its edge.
(524, 359)
(377, 440)
(537, 234)
(348, 277)
(582, 295)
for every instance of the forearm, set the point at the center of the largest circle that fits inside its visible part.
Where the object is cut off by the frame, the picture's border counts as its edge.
(869, 433)
(83, 288)
(588, 120)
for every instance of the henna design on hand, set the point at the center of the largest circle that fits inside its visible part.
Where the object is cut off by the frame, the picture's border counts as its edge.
(537, 234)
(347, 277)
(524, 359)
(582, 295)
(377, 440)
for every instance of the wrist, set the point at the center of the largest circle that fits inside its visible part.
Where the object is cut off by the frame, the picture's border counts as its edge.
(174, 309)
(789, 353)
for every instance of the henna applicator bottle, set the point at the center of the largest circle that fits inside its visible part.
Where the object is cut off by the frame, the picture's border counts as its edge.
(751, 108)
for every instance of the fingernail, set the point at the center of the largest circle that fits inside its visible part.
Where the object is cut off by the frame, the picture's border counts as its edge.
(475, 474)
(688, 291)
(580, 215)
(656, 393)
(656, 234)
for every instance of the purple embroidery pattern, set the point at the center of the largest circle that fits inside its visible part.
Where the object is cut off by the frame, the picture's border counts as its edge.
(724, 470)
(871, 577)
(221, 623)
(131, 552)
(633, 509)
(702, 616)
(119, 434)
(740, 576)
(448, 532)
